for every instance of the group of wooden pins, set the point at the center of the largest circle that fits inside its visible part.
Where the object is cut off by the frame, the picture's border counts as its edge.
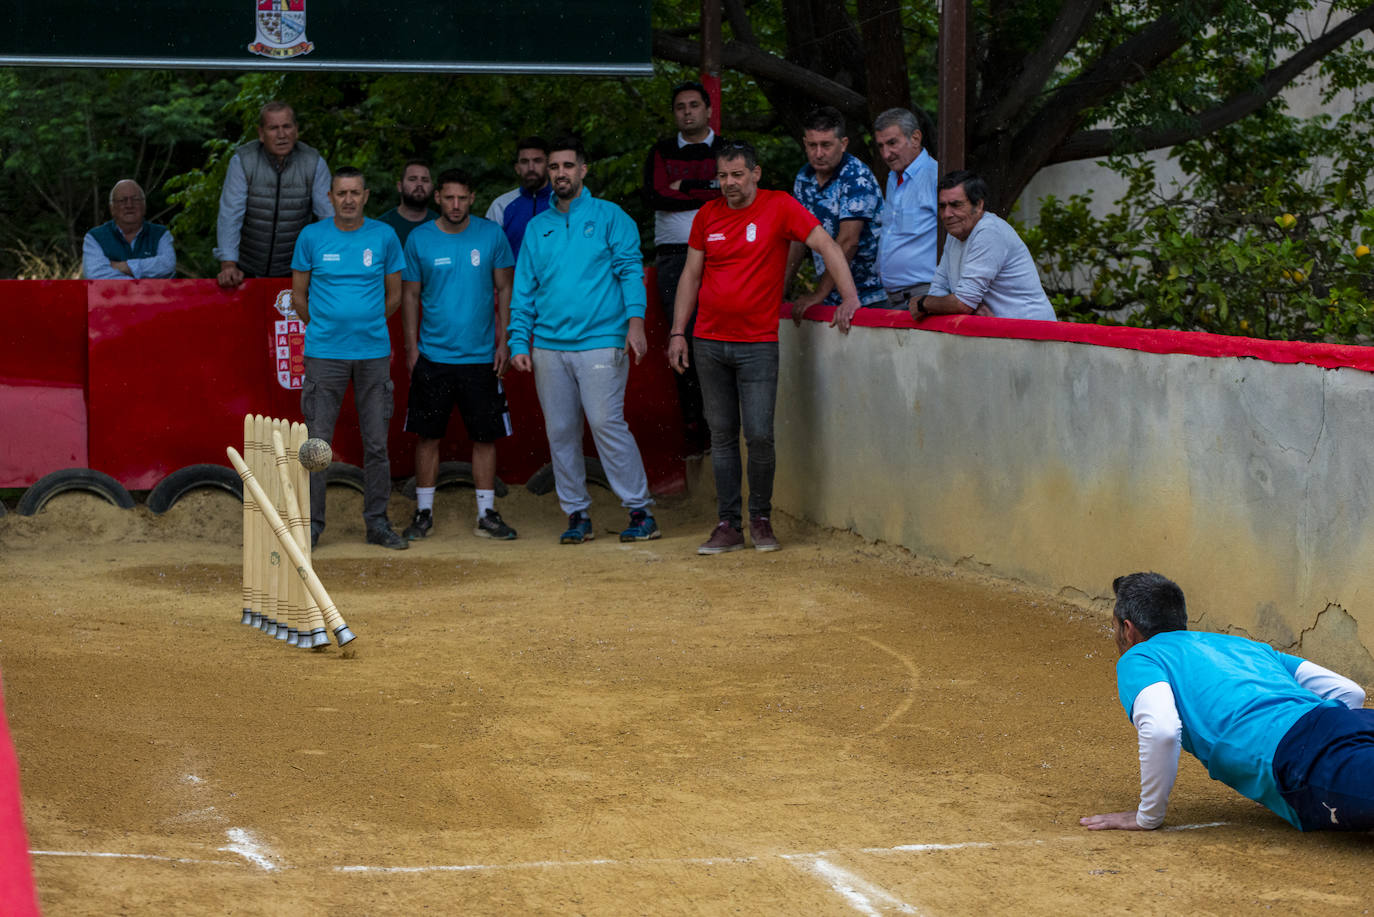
(282, 596)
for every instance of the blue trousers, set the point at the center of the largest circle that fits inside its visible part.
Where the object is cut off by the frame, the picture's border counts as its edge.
(1325, 769)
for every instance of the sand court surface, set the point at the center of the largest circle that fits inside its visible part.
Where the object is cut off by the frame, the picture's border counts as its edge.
(529, 728)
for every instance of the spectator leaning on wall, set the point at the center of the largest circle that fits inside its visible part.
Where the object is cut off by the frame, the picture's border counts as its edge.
(272, 185)
(986, 268)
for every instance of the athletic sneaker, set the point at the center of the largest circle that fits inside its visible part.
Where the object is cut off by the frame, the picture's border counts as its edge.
(491, 525)
(642, 527)
(579, 530)
(724, 538)
(386, 536)
(420, 525)
(761, 534)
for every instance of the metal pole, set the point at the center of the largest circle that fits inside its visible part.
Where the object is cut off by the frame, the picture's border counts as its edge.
(953, 76)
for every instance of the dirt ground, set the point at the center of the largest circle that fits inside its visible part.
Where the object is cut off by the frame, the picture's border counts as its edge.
(529, 728)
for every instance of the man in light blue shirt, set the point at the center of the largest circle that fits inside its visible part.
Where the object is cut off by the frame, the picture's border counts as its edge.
(906, 242)
(1276, 728)
(346, 282)
(986, 268)
(127, 246)
(458, 271)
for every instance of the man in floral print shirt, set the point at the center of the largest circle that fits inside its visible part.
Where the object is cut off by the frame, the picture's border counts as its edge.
(843, 194)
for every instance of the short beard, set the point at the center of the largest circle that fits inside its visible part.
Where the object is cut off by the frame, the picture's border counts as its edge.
(419, 202)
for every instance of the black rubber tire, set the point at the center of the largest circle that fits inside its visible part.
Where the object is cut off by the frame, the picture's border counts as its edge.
(345, 474)
(452, 473)
(184, 480)
(2, 508)
(50, 485)
(541, 482)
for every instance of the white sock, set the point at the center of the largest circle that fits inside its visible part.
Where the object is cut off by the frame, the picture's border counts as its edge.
(424, 498)
(486, 499)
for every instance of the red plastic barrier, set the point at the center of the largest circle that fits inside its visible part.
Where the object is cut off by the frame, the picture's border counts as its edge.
(137, 378)
(42, 379)
(1149, 340)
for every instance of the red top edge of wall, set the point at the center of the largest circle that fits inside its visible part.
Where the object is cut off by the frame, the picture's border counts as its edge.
(1149, 340)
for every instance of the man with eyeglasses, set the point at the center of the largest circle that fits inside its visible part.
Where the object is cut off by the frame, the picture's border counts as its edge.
(736, 260)
(127, 247)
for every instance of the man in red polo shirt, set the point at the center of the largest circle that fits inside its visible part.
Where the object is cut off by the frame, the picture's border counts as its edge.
(733, 279)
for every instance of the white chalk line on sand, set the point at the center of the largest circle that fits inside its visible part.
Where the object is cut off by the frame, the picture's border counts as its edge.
(861, 894)
(250, 848)
(729, 860)
(574, 864)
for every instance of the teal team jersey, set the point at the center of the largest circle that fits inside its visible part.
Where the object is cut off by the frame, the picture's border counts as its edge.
(348, 273)
(457, 294)
(1237, 699)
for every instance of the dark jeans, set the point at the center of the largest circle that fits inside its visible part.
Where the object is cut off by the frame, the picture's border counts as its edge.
(739, 382)
(668, 269)
(322, 395)
(1324, 766)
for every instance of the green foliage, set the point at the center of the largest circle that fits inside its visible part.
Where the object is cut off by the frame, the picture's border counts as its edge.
(67, 136)
(1261, 238)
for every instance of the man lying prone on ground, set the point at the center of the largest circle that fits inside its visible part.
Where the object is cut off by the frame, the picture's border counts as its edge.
(1283, 731)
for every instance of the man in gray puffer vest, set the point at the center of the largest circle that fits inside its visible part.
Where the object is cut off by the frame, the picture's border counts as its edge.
(272, 185)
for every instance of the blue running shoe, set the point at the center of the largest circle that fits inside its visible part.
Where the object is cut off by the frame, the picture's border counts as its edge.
(579, 530)
(642, 527)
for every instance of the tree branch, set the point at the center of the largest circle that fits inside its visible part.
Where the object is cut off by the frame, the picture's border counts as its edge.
(765, 66)
(739, 21)
(1096, 143)
(1074, 18)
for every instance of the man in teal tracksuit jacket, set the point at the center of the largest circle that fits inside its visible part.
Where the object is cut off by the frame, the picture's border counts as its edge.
(579, 292)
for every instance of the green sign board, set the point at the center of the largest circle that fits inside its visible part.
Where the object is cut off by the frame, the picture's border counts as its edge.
(470, 36)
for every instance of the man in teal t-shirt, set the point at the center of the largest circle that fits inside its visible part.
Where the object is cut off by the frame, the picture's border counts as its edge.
(346, 282)
(416, 189)
(1279, 729)
(457, 278)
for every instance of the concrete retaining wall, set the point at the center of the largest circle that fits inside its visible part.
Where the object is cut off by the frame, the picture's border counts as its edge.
(1064, 465)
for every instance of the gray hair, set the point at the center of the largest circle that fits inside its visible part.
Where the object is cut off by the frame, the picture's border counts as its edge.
(897, 117)
(141, 193)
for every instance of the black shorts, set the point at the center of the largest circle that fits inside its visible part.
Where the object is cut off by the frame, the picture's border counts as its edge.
(437, 388)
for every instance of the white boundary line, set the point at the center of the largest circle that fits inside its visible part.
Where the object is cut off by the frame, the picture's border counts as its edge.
(862, 895)
(245, 845)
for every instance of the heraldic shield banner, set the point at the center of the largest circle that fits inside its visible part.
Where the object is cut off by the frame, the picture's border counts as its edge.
(460, 36)
(281, 29)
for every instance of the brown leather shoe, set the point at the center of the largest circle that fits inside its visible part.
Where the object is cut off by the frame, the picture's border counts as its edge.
(761, 534)
(724, 538)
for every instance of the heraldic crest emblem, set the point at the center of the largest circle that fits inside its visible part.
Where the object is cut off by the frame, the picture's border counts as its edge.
(281, 29)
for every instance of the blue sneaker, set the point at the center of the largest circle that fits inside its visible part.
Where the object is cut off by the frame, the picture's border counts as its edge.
(579, 530)
(642, 527)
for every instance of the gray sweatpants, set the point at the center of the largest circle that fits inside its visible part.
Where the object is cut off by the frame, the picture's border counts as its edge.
(590, 382)
(322, 396)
